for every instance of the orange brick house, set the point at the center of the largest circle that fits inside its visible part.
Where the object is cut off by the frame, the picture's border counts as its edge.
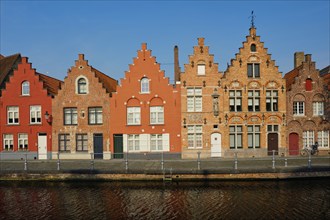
(254, 102)
(145, 110)
(81, 113)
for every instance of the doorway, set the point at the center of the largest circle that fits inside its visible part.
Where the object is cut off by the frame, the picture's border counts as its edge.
(216, 145)
(272, 143)
(98, 146)
(118, 146)
(293, 144)
(42, 146)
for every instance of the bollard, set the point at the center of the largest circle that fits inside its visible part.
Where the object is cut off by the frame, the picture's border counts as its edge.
(162, 161)
(126, 162)
(25, 162)
(198, 160)
(92, 161)
(273, 166)
(58, 161)
(286, 162)
(236, 161)
(309, 160)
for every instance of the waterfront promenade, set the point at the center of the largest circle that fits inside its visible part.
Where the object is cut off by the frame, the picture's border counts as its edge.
(167, 169)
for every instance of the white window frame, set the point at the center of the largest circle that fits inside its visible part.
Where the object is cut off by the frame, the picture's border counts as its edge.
(35, 113)
(235, 133)
(201, 69)
(299, 108)
(23, 141)
(194, 99)
(308, 138)
(145, 85)
(318, 108)
(323, 139)
(13, 115)
(235, 100)
(195, 136)
(272, 98)
(133, 142)
(254, 100)
(133, 115)
(254, 136)
(78, 90)
(8, 142)
(156, 115)
(25, 88)
(156, 142)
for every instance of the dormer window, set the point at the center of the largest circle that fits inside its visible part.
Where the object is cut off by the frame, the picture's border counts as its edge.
(82, 86)
(145, 85)
(308, 85)
(201, 69)
(253, 48)
(25, 88)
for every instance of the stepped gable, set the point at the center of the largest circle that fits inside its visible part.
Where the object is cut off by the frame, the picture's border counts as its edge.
(51, 84)
(108, 83)
(7, 65)
(290, 76)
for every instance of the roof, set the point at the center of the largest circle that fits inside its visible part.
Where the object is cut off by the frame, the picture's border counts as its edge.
(290, 76)
(109, 83)
(7, 64)
(51, 84)
(325, 71)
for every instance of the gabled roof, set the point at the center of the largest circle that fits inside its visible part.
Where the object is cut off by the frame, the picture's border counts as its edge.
(325, 71)
(325, 74)
(109, 83)
(7, 64)
(51, 84)
(290, 76)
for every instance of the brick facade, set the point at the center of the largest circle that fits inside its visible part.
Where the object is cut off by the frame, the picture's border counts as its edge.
(81, 113)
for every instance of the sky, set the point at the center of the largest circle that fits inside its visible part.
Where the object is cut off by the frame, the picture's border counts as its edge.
(52, 33)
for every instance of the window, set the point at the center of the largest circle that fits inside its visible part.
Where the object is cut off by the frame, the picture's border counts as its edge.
(70, 116)
(194, 99)
(323, 139)
(254, 136)
(318, 108)
(22, 141)
(236, 137)
(25, 88)
(308, 85)
(201, 69)
(95, 116)
(156, 142)
(254, 100)
(253, 70)
(82, 86)
(133, 142)
(145, 85)
(298, 108)
(64, 142)
(81, 142)
(35, 114)
(253, 48)
(195, 136)
(235, 100)
(308, 138)
(133, 115)
(272, 128)
(271, 100)
(8, 142)
(157, 115)
(12, 114)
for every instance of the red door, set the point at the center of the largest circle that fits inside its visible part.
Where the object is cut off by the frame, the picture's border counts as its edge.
(293, 144)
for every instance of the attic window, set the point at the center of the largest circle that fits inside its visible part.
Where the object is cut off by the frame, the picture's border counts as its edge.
(201, 69)
(25, 88)
(253, 48)
(82, 87)
(145, 85)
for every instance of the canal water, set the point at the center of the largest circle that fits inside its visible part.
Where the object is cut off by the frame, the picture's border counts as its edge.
(293, 199)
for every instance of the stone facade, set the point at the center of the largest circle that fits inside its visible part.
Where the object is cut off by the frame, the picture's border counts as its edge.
(201, 93)
(254, 102)
(145, 110)
(81, 113)
(307, 104)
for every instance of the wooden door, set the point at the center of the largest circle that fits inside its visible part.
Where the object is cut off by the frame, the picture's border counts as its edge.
(272, 143)
(293, 144)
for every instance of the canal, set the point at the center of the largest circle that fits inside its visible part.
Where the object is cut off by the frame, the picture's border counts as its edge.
(290, 199)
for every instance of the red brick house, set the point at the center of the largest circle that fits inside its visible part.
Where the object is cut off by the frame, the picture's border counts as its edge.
(81, 113)
(145, 110)
(25, 106)
(307, 101)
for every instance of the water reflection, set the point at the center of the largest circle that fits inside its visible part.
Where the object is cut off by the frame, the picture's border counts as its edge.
(298, 199)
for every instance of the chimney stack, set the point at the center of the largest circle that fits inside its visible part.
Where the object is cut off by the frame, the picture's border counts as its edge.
(298, 59)
(176, 64)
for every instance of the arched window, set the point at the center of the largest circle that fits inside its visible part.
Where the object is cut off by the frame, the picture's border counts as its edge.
(308, 85)
(145, 85)
(253, 48)
(25, 88)
(82, 86)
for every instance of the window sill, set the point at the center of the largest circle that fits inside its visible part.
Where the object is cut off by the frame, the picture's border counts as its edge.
(35, 123)
(157, 124)
(133, 124)
(13, 124)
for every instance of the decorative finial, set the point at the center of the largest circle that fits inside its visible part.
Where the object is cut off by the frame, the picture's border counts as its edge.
(252, 19)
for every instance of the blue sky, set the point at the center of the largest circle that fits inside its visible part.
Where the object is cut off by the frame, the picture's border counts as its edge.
(53, 33)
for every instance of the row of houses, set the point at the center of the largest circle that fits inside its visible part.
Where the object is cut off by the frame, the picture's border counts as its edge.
(249, 109)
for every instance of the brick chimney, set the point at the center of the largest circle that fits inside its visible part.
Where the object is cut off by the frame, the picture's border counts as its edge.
(298, 59)
(176, 64)
(308, 58)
